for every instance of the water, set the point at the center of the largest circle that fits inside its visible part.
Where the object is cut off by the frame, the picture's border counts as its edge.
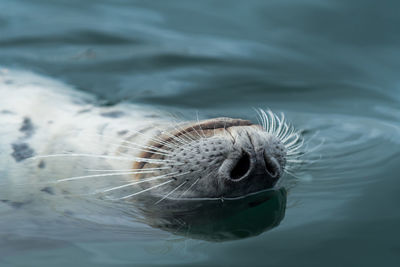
(330, 66)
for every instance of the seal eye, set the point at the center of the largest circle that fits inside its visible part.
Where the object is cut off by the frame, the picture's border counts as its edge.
(241, 167)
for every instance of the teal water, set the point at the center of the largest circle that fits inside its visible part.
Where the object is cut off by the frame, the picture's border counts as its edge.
(331, 66)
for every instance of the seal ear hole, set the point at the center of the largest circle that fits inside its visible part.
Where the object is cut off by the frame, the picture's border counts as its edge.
(241, 167)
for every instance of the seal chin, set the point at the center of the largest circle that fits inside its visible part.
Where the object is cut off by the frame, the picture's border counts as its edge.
(219, 158)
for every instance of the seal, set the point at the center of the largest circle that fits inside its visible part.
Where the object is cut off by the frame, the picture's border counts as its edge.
(58, 141)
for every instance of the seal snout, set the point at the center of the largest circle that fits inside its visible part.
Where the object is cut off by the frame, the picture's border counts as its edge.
(255, 162)
(220, 162)
(251, 164)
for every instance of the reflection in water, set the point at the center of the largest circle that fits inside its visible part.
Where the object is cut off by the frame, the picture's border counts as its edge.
(216, 219)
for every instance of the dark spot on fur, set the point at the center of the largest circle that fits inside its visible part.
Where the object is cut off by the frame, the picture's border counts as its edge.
(27, 127)
(21, 151)
(84, 110)
(152, 116)
(8, 82)
(68, 213)
(48, 190)
(41, 164)
(113, 114)
(14, 204)
(5, 111)
(50, 122)
(123, 132)
(17, 204)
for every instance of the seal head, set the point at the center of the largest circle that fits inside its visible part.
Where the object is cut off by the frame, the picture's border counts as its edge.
(218, 158)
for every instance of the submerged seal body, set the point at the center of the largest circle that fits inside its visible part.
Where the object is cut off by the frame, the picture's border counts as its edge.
(55, 140)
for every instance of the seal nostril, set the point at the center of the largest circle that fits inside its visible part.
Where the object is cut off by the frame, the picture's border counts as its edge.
(241, 167)
(271, 166)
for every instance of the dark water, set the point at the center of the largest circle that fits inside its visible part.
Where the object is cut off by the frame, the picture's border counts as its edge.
(331, 66)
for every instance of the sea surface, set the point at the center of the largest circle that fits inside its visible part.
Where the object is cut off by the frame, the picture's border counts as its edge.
(332, 66)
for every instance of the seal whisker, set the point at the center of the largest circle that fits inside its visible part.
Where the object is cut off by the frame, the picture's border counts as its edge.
(79, 155)
(294, 160)
(176, 188)
(308, 162)
(288, 134)
(192, 137)
(154, 138)
(273, 121)
(292, 174)
(106, 157)
(296, 147)
(151, 150)
(294, 152)
(266, 120)
(293, 145)
(144, 148)
(198, 122)
(101, 175)
(259, 118)
(196, 132)
(291, 140)
(187, 134)
(190, 187)
(138, 182)
(283, 127)
(174, 137)
(149, 147)
(126, 170)
(297, 154)
(279, 124)
(145, 190)
(150, 160)
(284, 132)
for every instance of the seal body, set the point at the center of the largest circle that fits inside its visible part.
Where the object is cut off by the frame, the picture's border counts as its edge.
(40, 116)
(55, 140)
